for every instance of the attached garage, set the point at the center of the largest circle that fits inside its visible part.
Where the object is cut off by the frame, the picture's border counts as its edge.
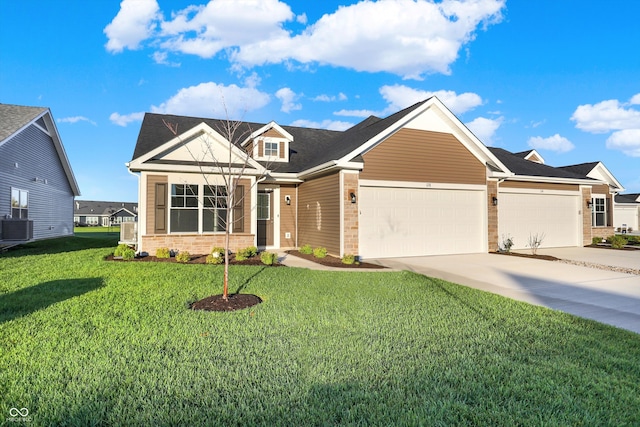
(401, 221)
(524, 214)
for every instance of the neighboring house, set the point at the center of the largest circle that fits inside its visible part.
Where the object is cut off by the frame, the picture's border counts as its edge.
(626, 215)
(415, 183)
(37, 186)
(88, 213)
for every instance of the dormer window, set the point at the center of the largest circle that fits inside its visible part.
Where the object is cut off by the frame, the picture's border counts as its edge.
(271, 149)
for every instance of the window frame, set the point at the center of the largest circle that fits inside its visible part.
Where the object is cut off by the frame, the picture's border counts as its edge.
(274, 148)
(19, 208)
(187, 205)
(599, 210)
(260, 206)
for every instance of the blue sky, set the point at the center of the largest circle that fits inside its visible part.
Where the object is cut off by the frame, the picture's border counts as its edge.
(559, 76)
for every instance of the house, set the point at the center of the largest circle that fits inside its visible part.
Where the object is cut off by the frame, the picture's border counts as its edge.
(417, 182)
(88, 213)
(626, 215)
(37, 185)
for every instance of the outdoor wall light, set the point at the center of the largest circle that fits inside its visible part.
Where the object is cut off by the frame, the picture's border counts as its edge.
(287, 199)
(494, 200)
(589, 203)
(353, 197)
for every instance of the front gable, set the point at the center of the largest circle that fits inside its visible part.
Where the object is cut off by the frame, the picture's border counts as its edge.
(601, 173)
(269, 143)
(200, 146)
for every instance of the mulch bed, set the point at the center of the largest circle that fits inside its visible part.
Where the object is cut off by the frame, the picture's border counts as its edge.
(196, 259)
(330, 261)
(233, 303)
(631, 247)
(542, 257)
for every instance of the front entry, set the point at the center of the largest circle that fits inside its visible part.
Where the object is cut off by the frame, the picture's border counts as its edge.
(265, 218)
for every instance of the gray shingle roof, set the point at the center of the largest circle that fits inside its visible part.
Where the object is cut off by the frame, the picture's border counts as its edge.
(580, 169)
(628, 198)
(92, 207)
(14, 117)
(520, 166)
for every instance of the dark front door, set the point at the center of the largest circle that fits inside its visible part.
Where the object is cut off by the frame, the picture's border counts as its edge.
(265, 218)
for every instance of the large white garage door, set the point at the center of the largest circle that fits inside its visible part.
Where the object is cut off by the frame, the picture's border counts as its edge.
(554, 216)
(397, 222)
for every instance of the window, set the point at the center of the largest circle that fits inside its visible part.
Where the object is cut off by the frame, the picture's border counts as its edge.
(599, 212)
(263, 206)
(183, 215)
(270, 149)
(19, 204)
(214, 215)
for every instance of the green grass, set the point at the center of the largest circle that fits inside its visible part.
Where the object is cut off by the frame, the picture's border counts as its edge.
(88, 342)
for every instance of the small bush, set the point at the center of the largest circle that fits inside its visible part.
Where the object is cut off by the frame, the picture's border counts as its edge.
(183, 257)
(246, 253)
(120, 249)
(214, 259)
(163, 253)
(306, 249)
(268, 258)
(618, 242)
(596, 240)
(128, 254)
(507, 243)
(217, 251)
(348, 259)
(320, 252)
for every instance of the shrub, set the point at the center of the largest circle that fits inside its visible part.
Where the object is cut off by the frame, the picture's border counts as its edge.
(246, 253)
(128, 254)
(507, 243)
(535, 240)
(163, 253)
(618, 242)
(120, 249)
(596, 240)
(216, 256)
(348, 259)
(183, 257)
(268, 258)
(306, 249)
(320, 252)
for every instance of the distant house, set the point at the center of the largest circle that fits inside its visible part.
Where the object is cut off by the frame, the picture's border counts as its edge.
(417, 182)
(88, 213)
(627, 212)
(37, 186)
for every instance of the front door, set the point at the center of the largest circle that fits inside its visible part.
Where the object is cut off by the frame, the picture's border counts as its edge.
(265, 218)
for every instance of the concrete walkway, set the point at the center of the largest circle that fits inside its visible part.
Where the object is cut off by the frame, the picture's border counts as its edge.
(606, 296)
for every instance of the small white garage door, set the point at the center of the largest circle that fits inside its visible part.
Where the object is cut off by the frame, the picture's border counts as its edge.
(397, 222)
(557, 217)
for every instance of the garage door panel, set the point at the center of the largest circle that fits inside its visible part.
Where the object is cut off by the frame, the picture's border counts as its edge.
(411, 222)
(556, 217)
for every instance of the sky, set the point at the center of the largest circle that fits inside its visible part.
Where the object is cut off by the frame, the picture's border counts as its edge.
(562, 77)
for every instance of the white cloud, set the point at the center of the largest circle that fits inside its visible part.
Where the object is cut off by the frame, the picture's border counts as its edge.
(410, 38)
(330, 98)
(134, 23)
(627, 141)
(635, 99)
(213, 100)
(76, 119)
(556, 143)
(162, 58)
(606, 116)
(400, 96)
(325, 124)
(288, 99)
(124, 120)
(484, 129)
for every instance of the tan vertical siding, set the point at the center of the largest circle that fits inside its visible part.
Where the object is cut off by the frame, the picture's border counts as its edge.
(423, 156)
(152, 180)
(288, 216)
(319, 213)
(273, 133)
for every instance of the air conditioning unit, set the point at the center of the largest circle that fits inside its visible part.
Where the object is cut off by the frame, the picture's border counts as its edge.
(17, 229)
(128, 232)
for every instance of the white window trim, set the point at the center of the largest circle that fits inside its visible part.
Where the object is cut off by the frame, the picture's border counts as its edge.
(594, 212)
(282, 145)
(20, 190)
(200, 208)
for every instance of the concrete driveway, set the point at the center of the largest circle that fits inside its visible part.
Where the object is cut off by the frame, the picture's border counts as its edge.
(606, 296)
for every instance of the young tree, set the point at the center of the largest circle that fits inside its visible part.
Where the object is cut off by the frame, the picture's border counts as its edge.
(232, 167)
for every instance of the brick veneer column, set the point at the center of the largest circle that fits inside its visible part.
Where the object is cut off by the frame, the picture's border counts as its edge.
(350, 237)
(492, 217)
(586, 216)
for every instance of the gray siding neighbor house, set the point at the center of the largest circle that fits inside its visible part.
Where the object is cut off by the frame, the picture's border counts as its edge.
(37, 185)
(92, 213)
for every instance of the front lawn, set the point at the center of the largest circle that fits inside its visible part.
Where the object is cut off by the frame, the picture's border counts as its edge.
(90, 342)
